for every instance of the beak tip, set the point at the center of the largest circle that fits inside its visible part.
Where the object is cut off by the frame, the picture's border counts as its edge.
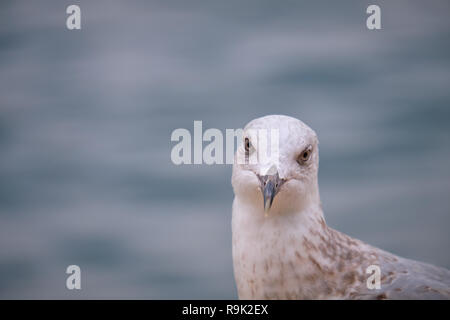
(268, 203)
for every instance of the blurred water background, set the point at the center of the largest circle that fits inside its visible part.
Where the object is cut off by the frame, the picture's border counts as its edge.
(86, 118)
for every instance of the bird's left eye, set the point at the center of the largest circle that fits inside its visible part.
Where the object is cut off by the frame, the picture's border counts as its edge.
(305, 155)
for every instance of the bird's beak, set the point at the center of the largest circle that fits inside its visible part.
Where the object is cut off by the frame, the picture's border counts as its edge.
(270, 185)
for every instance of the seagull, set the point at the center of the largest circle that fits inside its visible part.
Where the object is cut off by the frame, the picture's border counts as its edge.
(282, 246)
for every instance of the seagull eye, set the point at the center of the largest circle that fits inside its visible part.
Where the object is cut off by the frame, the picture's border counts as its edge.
(247, 144)
(305, 155)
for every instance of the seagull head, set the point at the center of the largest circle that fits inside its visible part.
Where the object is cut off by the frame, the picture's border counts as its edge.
(276, 164)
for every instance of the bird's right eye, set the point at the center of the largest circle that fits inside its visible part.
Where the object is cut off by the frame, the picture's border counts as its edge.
(247, 144)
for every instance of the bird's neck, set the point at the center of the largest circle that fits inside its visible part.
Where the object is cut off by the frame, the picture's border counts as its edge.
(295, 253)
(302, 220)
(276, 248)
